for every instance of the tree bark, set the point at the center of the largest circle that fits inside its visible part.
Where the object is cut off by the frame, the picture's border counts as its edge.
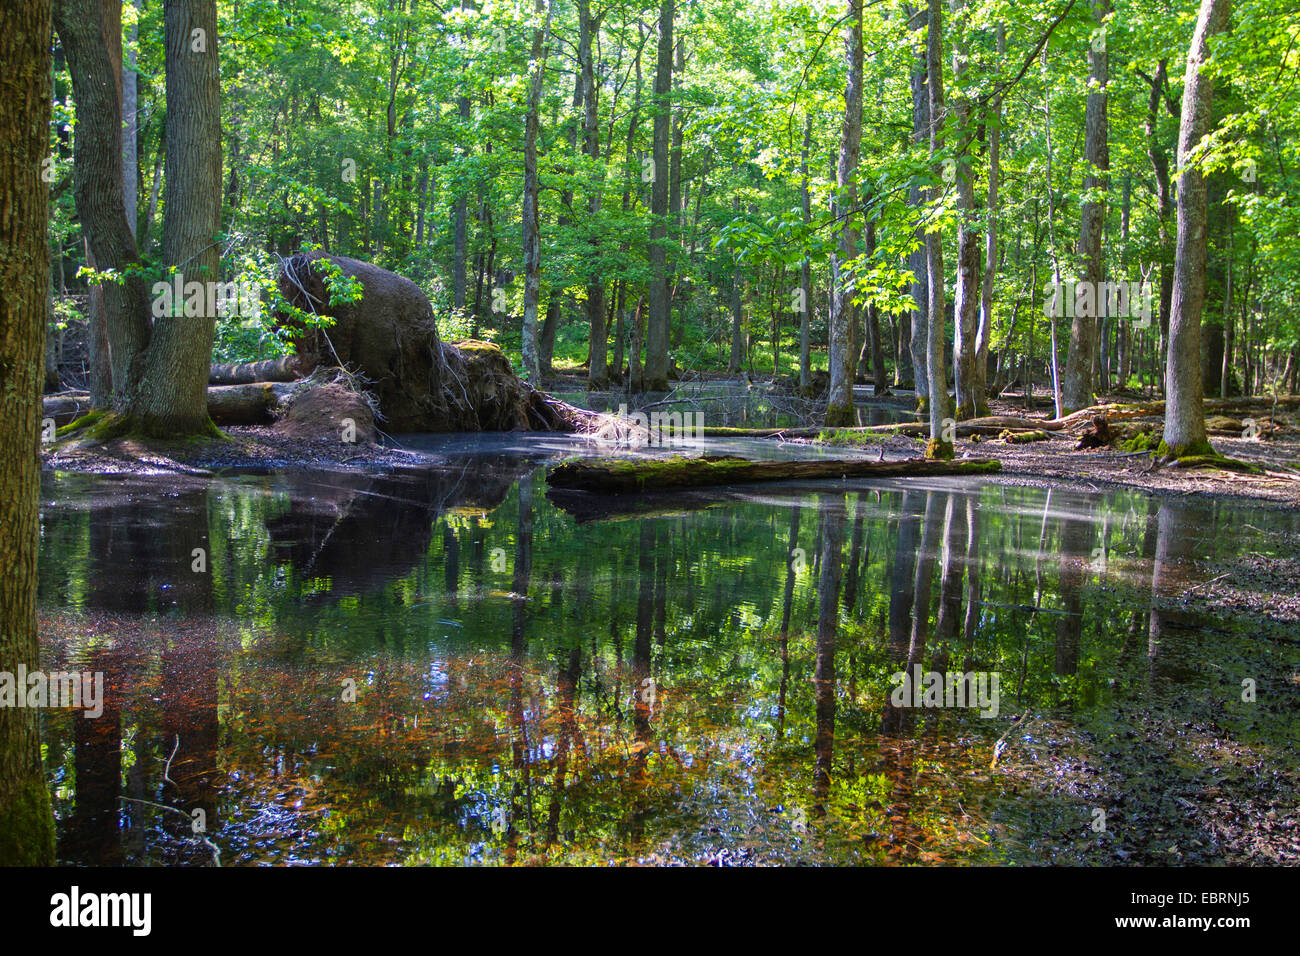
(26, 824)
(839, 407)
(966, 301)
(656, 340)
(1078, 380)
(737, 311)
(805, 272)
(1184, 414)
(171, 400)
(918, 20)
(984, 333)
(532, 235)
(939, 446)
(93, 46)
(597, 367)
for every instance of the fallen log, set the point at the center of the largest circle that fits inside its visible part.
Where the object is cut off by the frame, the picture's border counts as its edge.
(1023, 438)
(253, 404)
(284, 369)
(623, 476)
(65, 406)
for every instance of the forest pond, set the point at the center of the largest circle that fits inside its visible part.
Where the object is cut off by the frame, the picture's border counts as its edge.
(444, 665)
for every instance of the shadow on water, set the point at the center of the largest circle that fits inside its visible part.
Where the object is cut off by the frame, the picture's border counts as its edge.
(440, 666)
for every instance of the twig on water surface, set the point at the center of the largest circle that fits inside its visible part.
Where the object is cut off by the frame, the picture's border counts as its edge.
(1206, 584)
(216, 853)
(1001, 745)
(168, 765)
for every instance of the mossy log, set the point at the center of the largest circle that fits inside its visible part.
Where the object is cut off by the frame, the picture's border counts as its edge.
(1023, 437)
(625, 476)
(284, 369)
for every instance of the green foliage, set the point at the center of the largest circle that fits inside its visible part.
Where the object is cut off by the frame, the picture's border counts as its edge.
(370, 129)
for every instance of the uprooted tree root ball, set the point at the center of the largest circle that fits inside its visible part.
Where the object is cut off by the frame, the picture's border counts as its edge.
(389, 336)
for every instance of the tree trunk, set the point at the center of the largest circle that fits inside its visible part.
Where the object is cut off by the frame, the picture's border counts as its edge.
(130, 134)
(805, 272)
(656, 340)
(26, 824)
(919, 340)
(90, 31)
(839, 407)
(940, 413)
(597, 368)
(984, 334)
(737, 313)
(966, 301)
(171, 400)
(1077, 382)
(873, 318)
(532, 235)
(1184, 414)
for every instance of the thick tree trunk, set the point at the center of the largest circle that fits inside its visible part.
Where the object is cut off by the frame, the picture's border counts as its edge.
(26, 825)
(1185, 415)
(839, 407)
(656, 340)
(90, 31)
(1077, 382)
(171, 400)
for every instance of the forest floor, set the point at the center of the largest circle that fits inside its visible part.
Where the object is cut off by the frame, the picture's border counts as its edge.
(245, 447)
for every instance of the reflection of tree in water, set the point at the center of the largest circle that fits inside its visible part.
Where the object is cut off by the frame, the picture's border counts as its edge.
(832, 515)
(532, 697)
(1174, 555)
(360, 531)
(1077, 536)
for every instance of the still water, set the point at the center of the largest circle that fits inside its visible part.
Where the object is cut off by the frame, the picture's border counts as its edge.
(444, 665)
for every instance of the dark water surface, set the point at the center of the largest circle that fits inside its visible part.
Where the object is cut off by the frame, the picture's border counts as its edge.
(694, 684)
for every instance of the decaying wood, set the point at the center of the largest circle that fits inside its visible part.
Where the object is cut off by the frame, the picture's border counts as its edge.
(252, 404)
(65, 407)
(284, 369)
(623, 476)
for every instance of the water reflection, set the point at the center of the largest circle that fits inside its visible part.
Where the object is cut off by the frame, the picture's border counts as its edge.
(703, 685)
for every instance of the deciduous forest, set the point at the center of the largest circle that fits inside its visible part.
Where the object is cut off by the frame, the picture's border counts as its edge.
(721, 432)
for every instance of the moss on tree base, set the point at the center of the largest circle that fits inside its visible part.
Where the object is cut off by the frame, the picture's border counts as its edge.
(27, 826)
(936, 449)
(100, 425)
(1166, 452)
